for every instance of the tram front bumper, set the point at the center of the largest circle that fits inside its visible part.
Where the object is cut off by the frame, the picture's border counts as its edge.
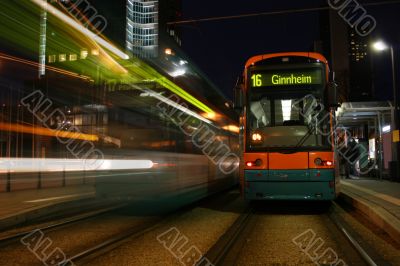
(311, 184)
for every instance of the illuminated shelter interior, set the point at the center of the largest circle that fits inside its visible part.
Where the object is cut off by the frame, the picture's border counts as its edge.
(371, 125)
(105, 95)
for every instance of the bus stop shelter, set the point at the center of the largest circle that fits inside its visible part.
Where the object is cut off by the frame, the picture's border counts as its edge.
(372, 122)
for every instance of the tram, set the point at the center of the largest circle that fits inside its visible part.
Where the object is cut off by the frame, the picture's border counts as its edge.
(287, 103)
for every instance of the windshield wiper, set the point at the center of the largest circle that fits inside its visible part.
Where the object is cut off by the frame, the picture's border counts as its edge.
(310, 129)
(304, 138)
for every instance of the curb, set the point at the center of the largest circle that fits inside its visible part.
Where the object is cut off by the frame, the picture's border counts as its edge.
(378, 215)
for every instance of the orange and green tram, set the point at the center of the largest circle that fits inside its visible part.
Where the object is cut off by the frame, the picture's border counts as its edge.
(288, 104)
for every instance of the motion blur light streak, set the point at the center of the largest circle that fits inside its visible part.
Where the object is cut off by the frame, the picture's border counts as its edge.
(232, 128)
(146, 72)
(42, 131)
(177, 73)
(125, 164)
(56, 165)
(174, 104)
(183, 94)
(82, 29)
(34, 64)
(210, 115)
(89, 194)
(123, 71)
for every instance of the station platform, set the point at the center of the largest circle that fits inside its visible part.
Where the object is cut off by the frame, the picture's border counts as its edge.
(21, 206)
(379, 200)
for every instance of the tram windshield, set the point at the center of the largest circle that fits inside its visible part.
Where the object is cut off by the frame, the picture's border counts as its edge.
(289, 121)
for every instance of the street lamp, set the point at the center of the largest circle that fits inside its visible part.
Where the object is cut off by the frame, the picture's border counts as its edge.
(381, 46)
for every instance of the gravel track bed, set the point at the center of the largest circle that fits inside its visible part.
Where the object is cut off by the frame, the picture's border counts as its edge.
(72, 239)
(271, 243)
(202, 226)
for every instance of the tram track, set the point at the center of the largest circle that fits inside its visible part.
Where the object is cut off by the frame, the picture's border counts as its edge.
(233, 239)
(111, 243)
(89, 256)
(90, 237)
(229, 247)
(59, 224)
(90, 232)
(250, 230)
(366, 252)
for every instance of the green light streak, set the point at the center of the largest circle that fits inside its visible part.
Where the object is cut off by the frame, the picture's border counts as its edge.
(20, 29)
(148, 73)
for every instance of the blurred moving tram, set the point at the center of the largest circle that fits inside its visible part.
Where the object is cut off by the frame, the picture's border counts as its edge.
(135, 141)
(138, 130)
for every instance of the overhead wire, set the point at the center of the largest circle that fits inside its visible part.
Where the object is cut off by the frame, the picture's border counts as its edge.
(271, 13)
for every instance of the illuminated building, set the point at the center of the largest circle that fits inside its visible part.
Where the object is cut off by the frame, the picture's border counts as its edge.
(140, 26)
(146, 23)
(360, 68)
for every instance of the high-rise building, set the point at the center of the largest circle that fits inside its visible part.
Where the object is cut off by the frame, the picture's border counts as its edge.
(334, 46)
(147, 24)
(358, 48)
(140, 26)
(349, 57)
(360, 68)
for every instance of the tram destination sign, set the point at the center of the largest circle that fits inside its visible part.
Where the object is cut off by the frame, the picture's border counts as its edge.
(272, 78)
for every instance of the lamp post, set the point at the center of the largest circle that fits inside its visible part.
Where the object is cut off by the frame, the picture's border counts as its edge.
(381, 46)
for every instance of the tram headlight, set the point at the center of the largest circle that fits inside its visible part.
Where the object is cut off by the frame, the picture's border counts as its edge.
(256, 138)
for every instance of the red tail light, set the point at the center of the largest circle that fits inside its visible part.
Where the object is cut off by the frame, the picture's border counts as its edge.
(256, 163)
(320, 162)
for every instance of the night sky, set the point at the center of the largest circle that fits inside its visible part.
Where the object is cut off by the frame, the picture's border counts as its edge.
(220, 48)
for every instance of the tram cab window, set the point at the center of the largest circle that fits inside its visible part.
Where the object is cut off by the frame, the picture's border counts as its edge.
(269, 112)
(287, 113)
(261, 113)
(284, 121)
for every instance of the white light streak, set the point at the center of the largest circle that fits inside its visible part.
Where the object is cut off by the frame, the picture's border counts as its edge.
(177, 73)
(176, 105)
(83, 195)
(81, 29)
(59, 165)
